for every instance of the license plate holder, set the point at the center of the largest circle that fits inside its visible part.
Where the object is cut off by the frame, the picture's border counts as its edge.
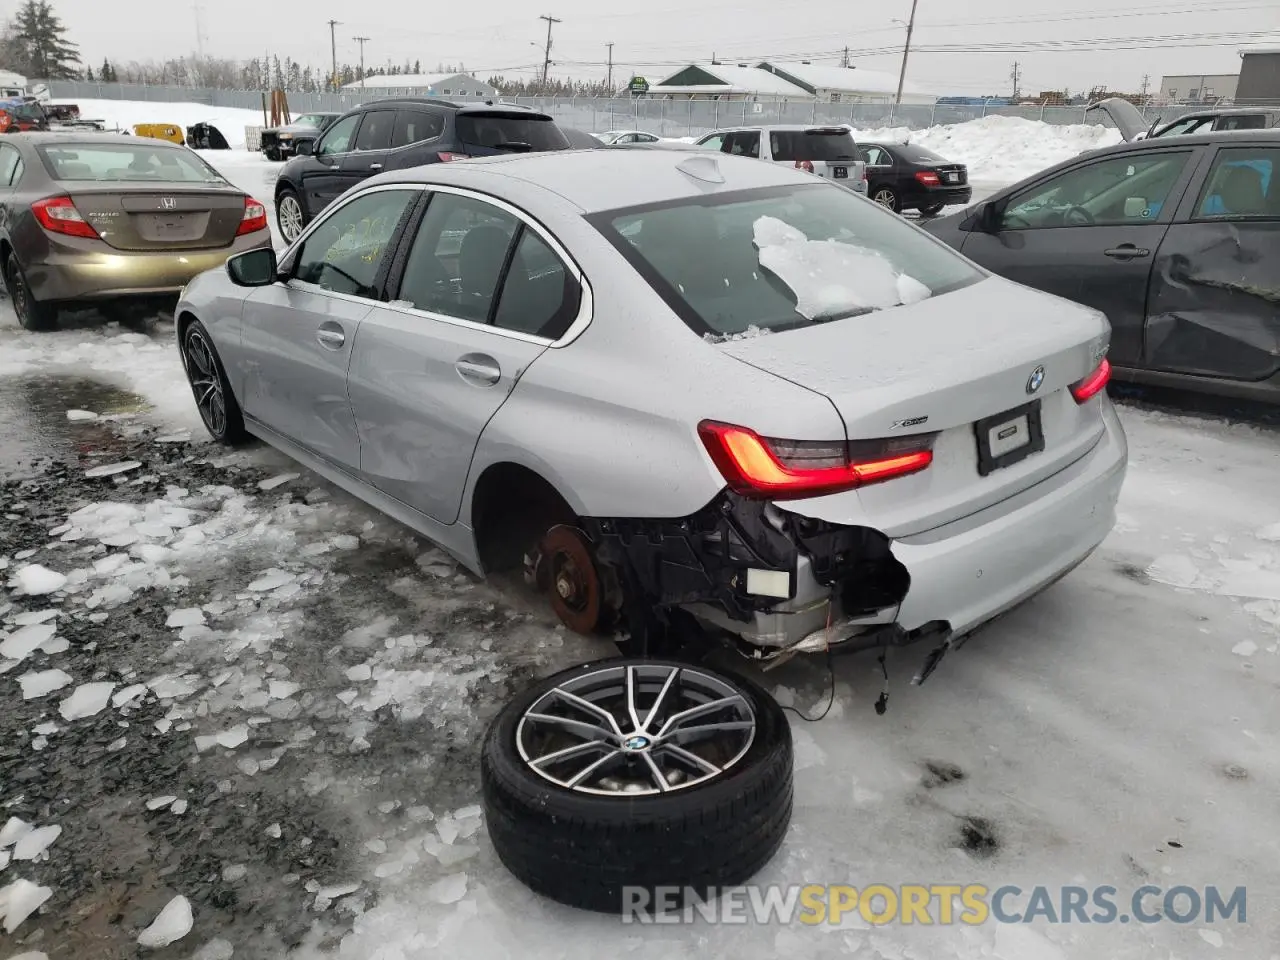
(840, 173)
(951, 177)
(1008, 437)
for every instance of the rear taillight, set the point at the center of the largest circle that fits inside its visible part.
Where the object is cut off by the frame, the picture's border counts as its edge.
(1093, 384)
(805, 165)
(59, 215)
(754, 466)
(254, 219)
(450, 157)
(928, 178)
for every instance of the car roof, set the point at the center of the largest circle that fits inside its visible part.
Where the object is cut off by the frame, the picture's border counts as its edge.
(1225, 112)
(1267, 134)
(783, 127)
(593, 180)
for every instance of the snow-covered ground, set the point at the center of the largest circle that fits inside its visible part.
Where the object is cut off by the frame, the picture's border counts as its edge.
(229, 683)
(124, 114)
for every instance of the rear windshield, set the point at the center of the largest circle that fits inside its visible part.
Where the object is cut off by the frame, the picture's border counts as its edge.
(507, 132)
(779, 258)
(126, 162)
(918, 154)
(828, 145)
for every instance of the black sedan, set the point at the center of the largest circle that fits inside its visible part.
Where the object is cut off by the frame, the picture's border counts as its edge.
(901, 177)
(1175, 239)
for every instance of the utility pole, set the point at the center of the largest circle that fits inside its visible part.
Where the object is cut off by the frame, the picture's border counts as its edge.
(608, 80)
(1015, 75)
(199, 31)
(362, 41)
(844, 60)
(1146, 85)
(333, 49)
(906, 51)
(546, 57)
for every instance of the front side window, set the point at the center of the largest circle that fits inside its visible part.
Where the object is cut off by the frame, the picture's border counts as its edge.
(338, 138)
(1242, 184)
(713, 142)
(114, 162)
(344, 253)
(744, 143)
(780, 258)
(1121, 190)
(878, 157)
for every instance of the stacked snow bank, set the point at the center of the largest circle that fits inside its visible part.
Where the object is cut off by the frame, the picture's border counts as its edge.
(1001, 150)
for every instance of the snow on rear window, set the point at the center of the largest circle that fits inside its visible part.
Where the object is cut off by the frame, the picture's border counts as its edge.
(831, 278)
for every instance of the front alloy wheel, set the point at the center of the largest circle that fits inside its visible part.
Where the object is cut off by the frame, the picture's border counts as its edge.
(217, 406)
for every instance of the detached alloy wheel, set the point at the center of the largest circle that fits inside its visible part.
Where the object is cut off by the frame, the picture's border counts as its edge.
(213, 396)
(613, 779)
(886, 198)
(289, 216)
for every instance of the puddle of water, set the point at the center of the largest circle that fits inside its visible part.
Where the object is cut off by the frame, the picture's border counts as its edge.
(34, 424)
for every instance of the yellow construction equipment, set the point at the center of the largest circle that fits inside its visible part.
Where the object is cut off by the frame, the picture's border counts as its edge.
(160, 131)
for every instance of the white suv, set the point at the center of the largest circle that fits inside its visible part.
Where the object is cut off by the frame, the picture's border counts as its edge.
(824, 151)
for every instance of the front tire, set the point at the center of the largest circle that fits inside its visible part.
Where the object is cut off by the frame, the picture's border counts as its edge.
(579, 812)
(32, 314)
(210, 387)
(888, 198)
(290, 217)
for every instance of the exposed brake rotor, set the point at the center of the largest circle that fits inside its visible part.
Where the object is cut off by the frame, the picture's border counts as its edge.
(583, 597)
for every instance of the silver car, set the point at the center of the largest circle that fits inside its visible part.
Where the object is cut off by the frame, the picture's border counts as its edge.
(828, 152)
(677, 387)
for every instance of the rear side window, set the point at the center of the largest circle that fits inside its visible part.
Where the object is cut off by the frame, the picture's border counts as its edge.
(539, 296)
(1242, 183)
(1251, 121)
(9, 160)
(743, 143)
(499, 131)
(780, 258)
(825, 145)
(413, 127)
(375, 132)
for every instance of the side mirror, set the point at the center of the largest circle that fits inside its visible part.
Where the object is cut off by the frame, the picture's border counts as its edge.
(256, 268)
(984, 218)
(305, 148)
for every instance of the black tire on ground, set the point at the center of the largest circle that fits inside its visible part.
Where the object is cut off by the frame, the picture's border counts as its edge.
(932, 210)
(210, 387)
(32, 314)
(583, 849)
(273, 153)
(887, 197)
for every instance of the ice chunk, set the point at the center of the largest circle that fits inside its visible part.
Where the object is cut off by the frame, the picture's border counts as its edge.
(273, 831)
(1212, 937)
(35, 580)
(1174, 569)
(277, 481)
(110, 469)
(359, 672)
(336, 891)
(14, 829)
(35, 842)
(155, 803)
(86, 700)
(75, 415)
(19, 900)
(270, 580)
(56, 645)
(216, 949)
(1269, 532)
(174, 922)
(110, 563)
(44, 729)
(1245, 648)
(234, 871)
(282, 689)
(466, 813)
(25, 640)
(449, 890)
(34, 616)
(234, 737)
(179, 807)
(345, 541)
(127, 695)
(186, 617)
(170, 687)
(448, 830)
(42, 682)
(377, 845)
(115, 746)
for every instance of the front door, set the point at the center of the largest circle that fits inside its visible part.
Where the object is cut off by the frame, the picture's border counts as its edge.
(1090, 234)
(298, 335)
(322, 177)
(1212, 308)
(482, 296)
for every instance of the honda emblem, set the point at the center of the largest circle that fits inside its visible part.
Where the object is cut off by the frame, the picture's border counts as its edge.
(169, 203)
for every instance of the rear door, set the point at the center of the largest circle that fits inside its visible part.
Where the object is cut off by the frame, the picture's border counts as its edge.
(372, 145)
(322, 176)
(1089, 234)
(415, 138)
(482, 294)
(493, 131)
(297, 336)
(1212, 309)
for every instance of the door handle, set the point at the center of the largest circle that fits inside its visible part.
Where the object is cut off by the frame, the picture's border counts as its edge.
(479, 369)
(331, 337)
(375, 166)
(1126, 251)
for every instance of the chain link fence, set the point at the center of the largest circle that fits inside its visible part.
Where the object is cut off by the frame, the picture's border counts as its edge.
(665, 118)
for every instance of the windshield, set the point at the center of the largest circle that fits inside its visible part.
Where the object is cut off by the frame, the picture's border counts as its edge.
(126, 162)
(499, 131)
(28, 111)
(825, 145)
(311, 120)
(780, 258)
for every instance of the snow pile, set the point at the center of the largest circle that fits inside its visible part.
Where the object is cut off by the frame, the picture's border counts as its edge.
(125, 114)
(1000, 150)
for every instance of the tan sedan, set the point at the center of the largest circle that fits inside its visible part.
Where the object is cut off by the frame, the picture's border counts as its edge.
(114, 222)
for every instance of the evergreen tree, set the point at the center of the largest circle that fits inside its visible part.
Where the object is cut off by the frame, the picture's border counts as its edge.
(417, 67)
(88, 74)
(108, 72)
(48, 53)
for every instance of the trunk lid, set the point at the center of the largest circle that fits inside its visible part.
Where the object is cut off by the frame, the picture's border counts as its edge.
(160, 216)
(958, 365)
(1127, 118)
(828, 152)
(952, 174)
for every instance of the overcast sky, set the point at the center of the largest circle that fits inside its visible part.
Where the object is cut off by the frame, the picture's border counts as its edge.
(506, 36)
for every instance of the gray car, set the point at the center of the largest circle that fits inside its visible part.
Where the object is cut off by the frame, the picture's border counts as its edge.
(679, 387)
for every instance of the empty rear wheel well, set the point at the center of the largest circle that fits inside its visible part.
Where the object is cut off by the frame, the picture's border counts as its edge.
(511, 509)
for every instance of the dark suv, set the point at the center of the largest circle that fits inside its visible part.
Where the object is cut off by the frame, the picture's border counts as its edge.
(395, 134)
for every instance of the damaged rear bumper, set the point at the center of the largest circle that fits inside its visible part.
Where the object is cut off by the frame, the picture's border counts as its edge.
(783, 581)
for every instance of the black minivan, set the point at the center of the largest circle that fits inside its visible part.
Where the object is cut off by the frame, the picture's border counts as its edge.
(400, 133)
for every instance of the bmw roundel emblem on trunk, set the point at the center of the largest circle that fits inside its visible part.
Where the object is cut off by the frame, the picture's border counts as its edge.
(1036, 378)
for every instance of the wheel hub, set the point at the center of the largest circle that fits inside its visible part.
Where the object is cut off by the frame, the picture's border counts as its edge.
(578, 592)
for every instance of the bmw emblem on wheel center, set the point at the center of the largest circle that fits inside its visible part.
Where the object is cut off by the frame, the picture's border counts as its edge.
(636, 743)
(1036, 378)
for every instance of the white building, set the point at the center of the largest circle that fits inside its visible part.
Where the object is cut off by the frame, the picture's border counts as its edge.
(716, 81)
(1196, 87)
(830, 84)
(427, 85)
